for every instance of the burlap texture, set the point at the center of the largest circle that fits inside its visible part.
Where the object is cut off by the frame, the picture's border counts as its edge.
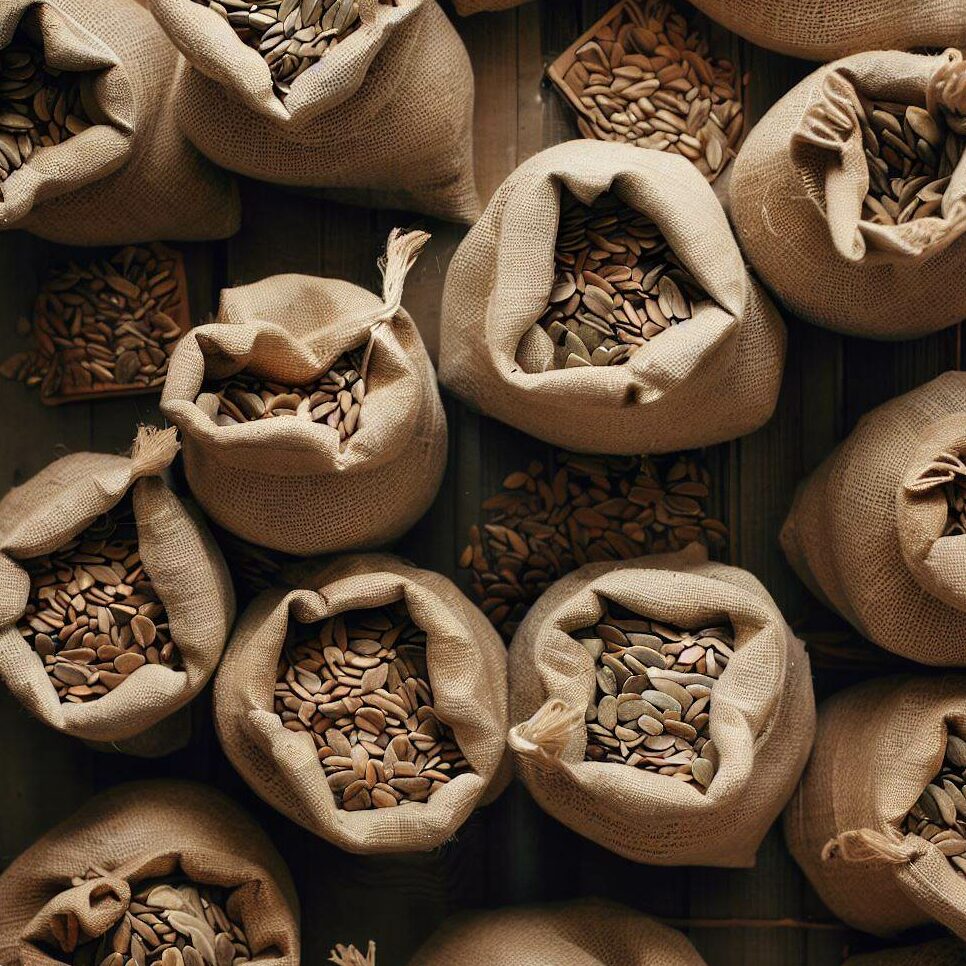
(866, 536)
(132, 176)
(877, 747)
(942, 952)
(285, 483)
(389, 109)
(467, 7)
(835, 28)
(710, 379)
(590, 932)
(762, 713)
(137, 832)
(180, 556)
(796, 203)
(467, 669)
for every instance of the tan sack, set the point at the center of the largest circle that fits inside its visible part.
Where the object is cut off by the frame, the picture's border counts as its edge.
(942, 952)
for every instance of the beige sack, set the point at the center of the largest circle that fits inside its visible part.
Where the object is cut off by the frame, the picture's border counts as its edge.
(180, 556)
(796, 199)
(762, 714)
(286, 483)
(134, 833)
(389, 108)
(942, 952)
(132, 176)
(878, 746)
(710, 379)
(865, 529)
(589, 932)
(467, 667)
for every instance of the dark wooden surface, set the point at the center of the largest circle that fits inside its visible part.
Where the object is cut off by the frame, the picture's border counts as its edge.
(510, 852)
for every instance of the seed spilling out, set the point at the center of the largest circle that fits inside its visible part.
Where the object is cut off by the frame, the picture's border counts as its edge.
(358, 684)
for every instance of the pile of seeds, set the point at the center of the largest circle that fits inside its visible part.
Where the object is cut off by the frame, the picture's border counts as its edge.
(653, 699)
(359, 686)
(169, 923)
(617, 284)
(92, 614)
(911, 156)
(549, 521)
(940, 813)
(107, 326)
(335, 399)
(647, 78)
(39, 105)
(291, 35)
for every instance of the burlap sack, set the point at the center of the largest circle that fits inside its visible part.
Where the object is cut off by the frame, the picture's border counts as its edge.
(134, 833)
(389, 109)
(942, 952)
(711, 379)
(590, 932)
(762, 714)
(467, 667)
(467, 7)
(132, 176)
(865, 529)
(877, 747)
(796, 202)
(286, 483)
(836, 28)
(180, 556)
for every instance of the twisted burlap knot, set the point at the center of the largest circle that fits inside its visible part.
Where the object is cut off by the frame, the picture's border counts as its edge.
(868, 845)
(547, 732)
(350, 956)
(153, 451)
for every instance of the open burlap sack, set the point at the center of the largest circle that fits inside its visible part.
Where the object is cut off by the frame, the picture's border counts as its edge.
(942, 952)
(590, 932)
(287, 483)
(467, 669)
(180, 557)
(878, 746)
(132, 176)
(136, 833)
(384, 118)
(796, 202)
(712, 378)
(865, 531)
(762, 713)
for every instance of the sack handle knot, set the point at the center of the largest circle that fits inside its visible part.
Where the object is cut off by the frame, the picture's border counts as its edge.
(350, 956)
(867, 845)
(548, 730)
(153, 451)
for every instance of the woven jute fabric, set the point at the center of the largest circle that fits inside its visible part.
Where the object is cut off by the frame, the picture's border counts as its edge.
(710, 379)
(877, 747)
(287, 483)
(942, 952)
(389, 109)
(132, 176)
(762, 713)
(865, 531)
(835, 28)
(136, 833)
(467, 671)
(590, 932)
(796, 202)
(180, 556)
(467, 7)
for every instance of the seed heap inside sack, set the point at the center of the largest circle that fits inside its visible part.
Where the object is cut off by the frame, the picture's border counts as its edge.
(617, 284)
(911, 155)
(172, 922)
(359, 686)
(939, 816)
(548, 521)
(92, 614)
(291, 35)
(653, 698)
(647, 78)
(40, 106)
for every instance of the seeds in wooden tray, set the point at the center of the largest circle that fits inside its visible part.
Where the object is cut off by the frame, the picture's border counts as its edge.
(911, 155)
(652, 702)
(92, 614)
(358, 684)
(548, 521)
(106, 326)
(647, 78)
(170, 922)
(617, 284)
(939, 815)
(291, 35)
